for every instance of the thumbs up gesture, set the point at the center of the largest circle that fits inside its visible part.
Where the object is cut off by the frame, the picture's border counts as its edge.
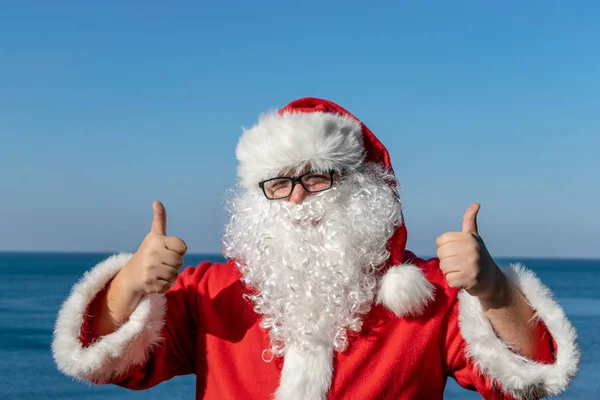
(465, 261)
(156, 263)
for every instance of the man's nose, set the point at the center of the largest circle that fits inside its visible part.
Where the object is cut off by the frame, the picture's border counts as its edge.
(298, 194)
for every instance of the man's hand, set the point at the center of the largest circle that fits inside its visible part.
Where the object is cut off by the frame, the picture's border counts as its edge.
(465, 261)
(155, 265)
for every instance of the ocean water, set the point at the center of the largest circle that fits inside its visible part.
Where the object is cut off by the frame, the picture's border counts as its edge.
(33, 286)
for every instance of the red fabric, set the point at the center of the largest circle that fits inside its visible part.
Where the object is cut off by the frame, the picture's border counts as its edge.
(89, 330)
(212, 331)
(544, 352)
(375, 152)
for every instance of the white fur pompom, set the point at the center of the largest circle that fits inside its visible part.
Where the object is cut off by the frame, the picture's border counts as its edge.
(405, 290)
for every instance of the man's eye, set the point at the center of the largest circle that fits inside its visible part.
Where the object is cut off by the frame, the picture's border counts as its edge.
(316, 178)
(278, 184)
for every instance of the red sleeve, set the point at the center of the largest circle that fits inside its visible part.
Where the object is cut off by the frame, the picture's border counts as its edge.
(176, 354)
(468, 375)
(461, 368)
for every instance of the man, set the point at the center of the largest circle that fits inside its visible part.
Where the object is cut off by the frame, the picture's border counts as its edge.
(319, 298)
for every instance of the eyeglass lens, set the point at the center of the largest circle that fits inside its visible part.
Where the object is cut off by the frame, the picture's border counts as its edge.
(282, 187)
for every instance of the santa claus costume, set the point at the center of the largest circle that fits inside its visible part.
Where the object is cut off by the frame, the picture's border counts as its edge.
(317, 301)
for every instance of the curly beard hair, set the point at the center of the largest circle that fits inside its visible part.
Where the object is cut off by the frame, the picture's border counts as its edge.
(314, 265)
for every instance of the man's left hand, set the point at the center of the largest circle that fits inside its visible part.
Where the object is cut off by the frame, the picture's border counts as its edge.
(465, 261)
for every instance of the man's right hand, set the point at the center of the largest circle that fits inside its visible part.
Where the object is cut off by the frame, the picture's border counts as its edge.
(156, 264)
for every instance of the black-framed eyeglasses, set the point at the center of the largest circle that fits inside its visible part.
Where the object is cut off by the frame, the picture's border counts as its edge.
(283, 186)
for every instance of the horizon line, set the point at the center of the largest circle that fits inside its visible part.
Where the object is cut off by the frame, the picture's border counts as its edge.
(220, 255)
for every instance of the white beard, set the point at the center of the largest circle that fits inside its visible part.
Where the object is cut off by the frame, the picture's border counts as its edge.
(314, 265)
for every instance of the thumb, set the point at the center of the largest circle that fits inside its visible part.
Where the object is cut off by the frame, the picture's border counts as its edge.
(470, 219)
(159, 223)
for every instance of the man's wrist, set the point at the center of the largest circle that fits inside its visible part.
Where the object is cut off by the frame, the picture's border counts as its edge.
(499, 293)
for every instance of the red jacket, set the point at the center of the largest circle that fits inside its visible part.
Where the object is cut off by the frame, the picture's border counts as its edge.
(210, 330)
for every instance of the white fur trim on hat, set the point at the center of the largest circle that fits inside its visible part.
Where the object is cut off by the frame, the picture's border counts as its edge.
(114, 353)
(405, 290)
(289, 141)
(306, 374)
(519, 376)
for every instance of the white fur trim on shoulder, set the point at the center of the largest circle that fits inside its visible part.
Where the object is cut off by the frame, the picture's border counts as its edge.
(520, 376)
(307, 374)
(405, 290)
(293, 139)
(113, 354)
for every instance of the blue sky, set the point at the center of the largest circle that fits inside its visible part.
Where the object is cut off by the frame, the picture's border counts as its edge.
(106, 107)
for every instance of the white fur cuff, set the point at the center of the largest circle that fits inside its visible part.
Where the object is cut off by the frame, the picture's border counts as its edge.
(519, 376)
(112, 354)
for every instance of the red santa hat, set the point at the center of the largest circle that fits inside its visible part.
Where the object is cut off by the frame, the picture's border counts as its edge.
(326, 136)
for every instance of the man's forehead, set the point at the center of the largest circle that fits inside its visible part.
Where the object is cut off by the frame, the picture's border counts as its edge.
(298, 170)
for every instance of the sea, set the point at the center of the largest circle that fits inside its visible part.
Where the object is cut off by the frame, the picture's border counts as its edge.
(33, 286)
